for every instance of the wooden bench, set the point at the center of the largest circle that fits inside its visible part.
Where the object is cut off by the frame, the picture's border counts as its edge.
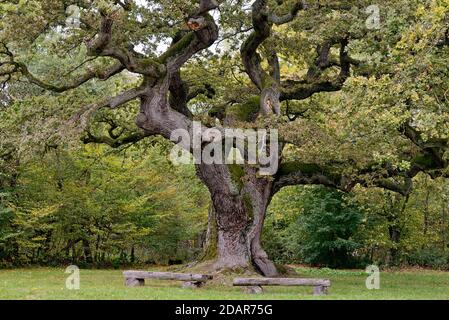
(254, 285)
(137, 278)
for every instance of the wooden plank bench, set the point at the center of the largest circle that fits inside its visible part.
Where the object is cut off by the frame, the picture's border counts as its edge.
(137, 278)
(320, 286)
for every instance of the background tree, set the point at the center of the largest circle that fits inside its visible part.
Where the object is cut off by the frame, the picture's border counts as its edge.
(321, 229)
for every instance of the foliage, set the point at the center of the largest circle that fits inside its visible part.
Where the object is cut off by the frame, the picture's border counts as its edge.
(317, 228)
(429, 257)
(6, 230)
(97, 207)
(398, 230)
(392, 230)
(328, 225)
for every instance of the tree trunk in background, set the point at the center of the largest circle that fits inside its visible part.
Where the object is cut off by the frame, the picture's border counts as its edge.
(87, 251)
(443, 226)
(133, 255)
(396, 227)
(395, 237)
(426, 212)
(239, 202)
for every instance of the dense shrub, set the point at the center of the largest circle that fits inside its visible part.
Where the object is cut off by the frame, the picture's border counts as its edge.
(316, 227)
(94, 207)
(327, 225)
(429, 257)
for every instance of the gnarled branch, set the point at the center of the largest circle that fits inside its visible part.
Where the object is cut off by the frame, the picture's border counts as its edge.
(296, 173)
(278, 20)
(21, 68)
(305, 88)
(102, 45)
(115, 142)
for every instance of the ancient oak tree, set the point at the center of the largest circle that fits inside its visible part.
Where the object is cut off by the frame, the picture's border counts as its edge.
(260, 64)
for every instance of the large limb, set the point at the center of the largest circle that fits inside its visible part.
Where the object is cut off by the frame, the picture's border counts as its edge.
(266, 82)
(178, 88)
(250, 57)
(11, 67)
(262, 21)
(115, 142)
(84, 114)
(297, 173)
(430, 160)
(313, 82)
(156, 115)
(433, 149)
(207, 5)
(103, 45)
(279, 20)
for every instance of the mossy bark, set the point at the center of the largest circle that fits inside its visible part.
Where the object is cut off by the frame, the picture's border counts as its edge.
(235, 222)
(210, 245)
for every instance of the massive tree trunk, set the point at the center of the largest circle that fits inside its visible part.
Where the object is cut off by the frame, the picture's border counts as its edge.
(239, 196)
(239, 201)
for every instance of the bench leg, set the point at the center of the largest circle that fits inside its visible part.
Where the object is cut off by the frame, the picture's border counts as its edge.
(134, 282)
(192, 284)
(253, 290)
(319, 291)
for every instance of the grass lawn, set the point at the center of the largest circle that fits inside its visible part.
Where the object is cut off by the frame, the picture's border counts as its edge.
(49, 283)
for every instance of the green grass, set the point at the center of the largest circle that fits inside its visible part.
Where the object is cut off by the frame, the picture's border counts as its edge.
(49, 283)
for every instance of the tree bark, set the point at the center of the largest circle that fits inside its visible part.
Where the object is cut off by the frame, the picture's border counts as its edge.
(239, 201)
(395, 237)
(87, 251)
